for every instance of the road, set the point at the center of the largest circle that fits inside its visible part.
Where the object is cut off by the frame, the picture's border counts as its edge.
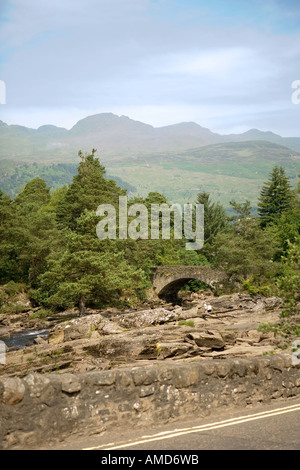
(264, 427)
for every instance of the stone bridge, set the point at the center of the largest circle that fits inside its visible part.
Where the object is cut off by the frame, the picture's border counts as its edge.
(168, 280)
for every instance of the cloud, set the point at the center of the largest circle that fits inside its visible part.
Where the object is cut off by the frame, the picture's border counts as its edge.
(168, 58)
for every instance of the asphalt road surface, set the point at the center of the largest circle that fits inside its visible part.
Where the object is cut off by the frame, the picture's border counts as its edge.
(263, 427)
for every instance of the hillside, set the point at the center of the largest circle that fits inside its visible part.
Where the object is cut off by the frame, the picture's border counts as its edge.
(14, 177)
(177, 160)
(116, 136)
(111, 134)
(229, 171)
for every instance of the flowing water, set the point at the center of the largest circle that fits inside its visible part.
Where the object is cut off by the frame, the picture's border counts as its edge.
(22, 338)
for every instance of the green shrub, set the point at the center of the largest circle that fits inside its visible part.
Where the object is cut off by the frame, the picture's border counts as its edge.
(12, 288)
(41, 313)
(3, 297)
(13, 308)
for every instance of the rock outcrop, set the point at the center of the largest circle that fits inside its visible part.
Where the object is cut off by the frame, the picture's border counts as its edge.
(112, 338)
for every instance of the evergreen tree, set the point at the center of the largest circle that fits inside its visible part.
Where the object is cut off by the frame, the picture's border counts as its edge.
(245, 250)
(243, 210)
(83, 270)
(87, 272)
(275, 197)
(215, 221)
(9, 269)
(289, 280)
(35, 230)
(34, 194)
(26, 233)
(88, 190)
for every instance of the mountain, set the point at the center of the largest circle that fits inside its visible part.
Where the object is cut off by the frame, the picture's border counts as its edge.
(177, 160)
(255, 134)
(116, 136)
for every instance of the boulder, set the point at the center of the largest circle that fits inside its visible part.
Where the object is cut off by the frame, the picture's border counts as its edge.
(243, 301)
(56, 336)
(254, 335)
(13, 390)
(208, 339)
(82, 327)
(39, 340)
(77, 328)
(108, 327)
(37, 384)
(149, 317)
(172, 349)
(70, 383)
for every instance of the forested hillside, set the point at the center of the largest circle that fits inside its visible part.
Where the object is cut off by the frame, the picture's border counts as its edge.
(50, 249)
(14, 176)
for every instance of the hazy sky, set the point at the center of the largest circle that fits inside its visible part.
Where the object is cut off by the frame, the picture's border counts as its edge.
(227, 65)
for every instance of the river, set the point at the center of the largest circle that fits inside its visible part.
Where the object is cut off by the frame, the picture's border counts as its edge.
(20, 339)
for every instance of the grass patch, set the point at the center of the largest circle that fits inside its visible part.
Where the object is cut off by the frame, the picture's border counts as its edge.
(186, 323)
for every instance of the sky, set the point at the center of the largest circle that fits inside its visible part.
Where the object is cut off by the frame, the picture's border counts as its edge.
(227, 65)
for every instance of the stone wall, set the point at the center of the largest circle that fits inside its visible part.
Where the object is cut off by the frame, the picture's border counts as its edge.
(45, 408)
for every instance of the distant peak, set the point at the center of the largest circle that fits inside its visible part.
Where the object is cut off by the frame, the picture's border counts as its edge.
(257, 131)
(50, 128)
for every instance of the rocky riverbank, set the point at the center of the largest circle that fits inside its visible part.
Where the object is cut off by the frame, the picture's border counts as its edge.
(114, 339)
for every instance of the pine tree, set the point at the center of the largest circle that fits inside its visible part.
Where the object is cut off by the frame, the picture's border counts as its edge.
(26, 233)
(215, 221)
(83, 270)
(9, 268)
(243, 211)
(245, 250)
(88, 272)
(275, 197)
(33, 196)
(87, 191)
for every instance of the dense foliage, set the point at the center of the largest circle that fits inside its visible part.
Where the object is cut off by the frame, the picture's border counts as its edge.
(49, 243)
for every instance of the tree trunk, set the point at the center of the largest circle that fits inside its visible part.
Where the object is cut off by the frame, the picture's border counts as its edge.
(82, 305)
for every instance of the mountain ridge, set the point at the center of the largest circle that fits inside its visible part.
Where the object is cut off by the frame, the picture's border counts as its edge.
(115, 135)
(177, 160)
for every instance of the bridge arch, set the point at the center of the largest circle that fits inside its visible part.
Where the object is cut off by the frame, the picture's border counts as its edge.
(168, 280)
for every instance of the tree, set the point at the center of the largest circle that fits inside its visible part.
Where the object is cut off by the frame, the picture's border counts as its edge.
(289, 281)
(9, 269)
(244, 249)
(88, 272)
(243, 210)
(83, 270)
(275, 197)
(215, 221)
(88, 190)
(26, 233)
